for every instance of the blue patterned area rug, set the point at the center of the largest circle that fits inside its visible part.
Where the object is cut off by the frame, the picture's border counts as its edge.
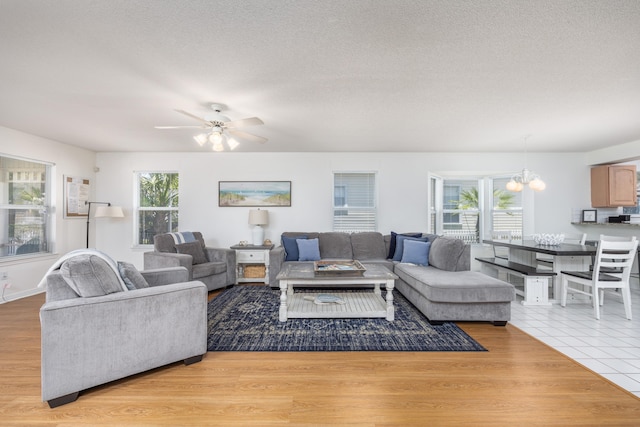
(245, 318)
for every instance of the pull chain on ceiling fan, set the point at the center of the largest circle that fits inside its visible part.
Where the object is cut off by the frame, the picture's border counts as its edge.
(220, 129)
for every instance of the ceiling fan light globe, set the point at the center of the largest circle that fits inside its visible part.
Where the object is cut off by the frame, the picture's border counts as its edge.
(232, 143)
(215, 137)
(201, 139)
(218, 146)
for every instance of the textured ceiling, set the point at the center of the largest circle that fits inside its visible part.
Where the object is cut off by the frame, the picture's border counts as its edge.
(330, 75)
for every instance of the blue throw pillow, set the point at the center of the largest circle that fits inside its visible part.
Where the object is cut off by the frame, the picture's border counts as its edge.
(397, 256)
(291, 247)
(309, 249)
(394, 239)
(416, 252)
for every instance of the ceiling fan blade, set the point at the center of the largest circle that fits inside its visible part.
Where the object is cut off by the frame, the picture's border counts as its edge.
(200, 119)
(252, 121)
(180, 127)
(247, 136)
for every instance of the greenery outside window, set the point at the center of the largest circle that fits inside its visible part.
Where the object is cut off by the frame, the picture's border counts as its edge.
(506, 210)
(156, 205)
(24, 207)
(354, 201)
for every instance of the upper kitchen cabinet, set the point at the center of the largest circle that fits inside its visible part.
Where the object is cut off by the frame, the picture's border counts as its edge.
(613, 186)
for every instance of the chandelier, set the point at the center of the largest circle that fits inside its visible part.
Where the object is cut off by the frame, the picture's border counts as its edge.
(526, 177)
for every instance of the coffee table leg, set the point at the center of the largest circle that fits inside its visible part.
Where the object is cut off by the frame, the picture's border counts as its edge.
(283, 300)
(390, 309)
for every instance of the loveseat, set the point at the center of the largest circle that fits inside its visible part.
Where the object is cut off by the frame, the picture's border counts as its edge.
(443, 290)
(102, 322)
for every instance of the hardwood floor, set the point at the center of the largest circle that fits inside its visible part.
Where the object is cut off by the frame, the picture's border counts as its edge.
(518, 382)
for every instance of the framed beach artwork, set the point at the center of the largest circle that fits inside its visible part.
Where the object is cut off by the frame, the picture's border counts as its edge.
(254, 193)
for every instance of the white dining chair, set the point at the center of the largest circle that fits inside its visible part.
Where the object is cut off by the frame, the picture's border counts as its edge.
(611, 253)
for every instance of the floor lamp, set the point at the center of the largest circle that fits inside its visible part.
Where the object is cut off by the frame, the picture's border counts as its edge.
(107, 211)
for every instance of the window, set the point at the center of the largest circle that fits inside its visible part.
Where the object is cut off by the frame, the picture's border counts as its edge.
(506, 210)
(354, 201)
(461, 209)
(24, 207)
(156, 205)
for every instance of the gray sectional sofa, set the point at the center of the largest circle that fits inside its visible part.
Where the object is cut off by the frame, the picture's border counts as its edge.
(445, 290)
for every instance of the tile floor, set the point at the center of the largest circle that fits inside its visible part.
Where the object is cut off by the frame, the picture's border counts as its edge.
(609, 346)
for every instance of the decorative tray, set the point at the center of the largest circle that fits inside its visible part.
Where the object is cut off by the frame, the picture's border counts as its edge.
(351, 268)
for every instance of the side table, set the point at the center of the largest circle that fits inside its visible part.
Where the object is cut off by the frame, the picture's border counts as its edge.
(249, 259)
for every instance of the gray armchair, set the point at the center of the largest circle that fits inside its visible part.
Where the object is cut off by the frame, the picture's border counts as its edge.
(215, 267)
(95, 332)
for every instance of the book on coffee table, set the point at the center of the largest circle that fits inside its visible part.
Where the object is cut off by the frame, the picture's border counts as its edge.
(323, 299)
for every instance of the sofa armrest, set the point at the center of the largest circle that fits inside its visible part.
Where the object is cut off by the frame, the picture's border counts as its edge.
(227, 256)
(153, 260)
(91, 341)
(165, 276)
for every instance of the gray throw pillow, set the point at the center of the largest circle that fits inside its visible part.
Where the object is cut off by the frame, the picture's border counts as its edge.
(195, 250)
(445, 253)
(90, 276)
(131, 276)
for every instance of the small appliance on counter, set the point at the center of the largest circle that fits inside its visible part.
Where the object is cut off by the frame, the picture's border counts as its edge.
(620, 219)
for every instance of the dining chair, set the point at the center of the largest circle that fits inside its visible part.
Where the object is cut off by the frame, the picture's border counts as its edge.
(546, 261)
(611, 253)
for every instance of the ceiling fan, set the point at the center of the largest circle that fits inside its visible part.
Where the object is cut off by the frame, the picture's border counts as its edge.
(220, 129)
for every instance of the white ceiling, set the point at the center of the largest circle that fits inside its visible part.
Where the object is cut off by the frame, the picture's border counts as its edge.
(332, 75)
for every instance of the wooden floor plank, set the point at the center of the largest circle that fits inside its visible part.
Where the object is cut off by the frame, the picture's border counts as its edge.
(519, 381)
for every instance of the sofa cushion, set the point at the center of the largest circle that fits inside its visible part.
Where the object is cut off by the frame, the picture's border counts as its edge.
(416, 252)
(194, 249)
(445, 252)
(167, 242)
(400, 239)
(394, 240)
(291, 247)
(209, 269)
(308, 249)
(335, 245)
(368, 245)
(131, 276)
(90, 276)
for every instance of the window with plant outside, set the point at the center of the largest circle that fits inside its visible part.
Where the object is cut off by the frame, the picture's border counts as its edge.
(354, 201)
(24, 207)
(157, 205)
(464, 212)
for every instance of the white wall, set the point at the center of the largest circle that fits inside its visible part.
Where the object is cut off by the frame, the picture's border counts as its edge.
(402, 190)
(25, 273)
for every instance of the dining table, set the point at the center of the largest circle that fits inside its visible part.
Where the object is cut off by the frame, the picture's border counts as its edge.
(566, 257)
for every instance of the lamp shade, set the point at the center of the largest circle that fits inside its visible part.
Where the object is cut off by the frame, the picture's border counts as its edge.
(109, 212)
(258, 217)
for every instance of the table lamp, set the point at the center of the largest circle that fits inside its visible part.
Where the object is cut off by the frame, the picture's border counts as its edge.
(258, 218)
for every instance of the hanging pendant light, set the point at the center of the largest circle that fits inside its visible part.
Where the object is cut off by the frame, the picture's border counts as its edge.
(526, 177)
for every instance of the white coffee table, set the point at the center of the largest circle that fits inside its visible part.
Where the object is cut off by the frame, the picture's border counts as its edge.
(363, 303)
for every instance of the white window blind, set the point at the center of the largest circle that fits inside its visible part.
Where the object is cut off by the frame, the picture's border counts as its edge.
(354, 201)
